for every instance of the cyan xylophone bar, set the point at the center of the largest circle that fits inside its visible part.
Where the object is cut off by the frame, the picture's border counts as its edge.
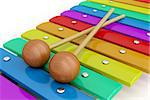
(100, 82)
(123, 6)
(119, 11)
(120, 39)
(114, 70)
(127, 21)
(121, 28)
(37, 80)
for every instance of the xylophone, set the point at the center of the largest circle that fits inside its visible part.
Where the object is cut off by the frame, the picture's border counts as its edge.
(116, 56)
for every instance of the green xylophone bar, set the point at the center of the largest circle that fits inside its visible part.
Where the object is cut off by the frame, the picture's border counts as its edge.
(95, 84)
(123, 6)
(128, 13)
(114, 70)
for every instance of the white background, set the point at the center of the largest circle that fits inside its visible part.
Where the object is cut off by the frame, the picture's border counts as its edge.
(18, 16)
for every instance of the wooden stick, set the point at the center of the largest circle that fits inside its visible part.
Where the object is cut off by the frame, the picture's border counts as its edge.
(113, 20)
(71, 38)
(84, 32)
(90, 36)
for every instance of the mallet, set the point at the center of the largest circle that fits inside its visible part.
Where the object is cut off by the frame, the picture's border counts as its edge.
(36, 52)
(65, 66)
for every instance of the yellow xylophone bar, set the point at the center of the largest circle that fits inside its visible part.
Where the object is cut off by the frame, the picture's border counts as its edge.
(114, 69)
(122, 54)
(134, 2)
(123, 6)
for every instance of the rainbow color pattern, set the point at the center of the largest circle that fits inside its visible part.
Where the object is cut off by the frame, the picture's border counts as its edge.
(124, 45)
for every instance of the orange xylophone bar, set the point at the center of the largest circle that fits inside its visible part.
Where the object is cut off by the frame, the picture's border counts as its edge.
(122, 40)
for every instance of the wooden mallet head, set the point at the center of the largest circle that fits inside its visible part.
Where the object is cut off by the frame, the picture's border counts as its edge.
(64, 66)
(36, 53)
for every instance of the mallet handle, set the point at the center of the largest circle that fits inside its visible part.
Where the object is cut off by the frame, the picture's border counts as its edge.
(93, 32)
(84, 32)
(71, 38)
